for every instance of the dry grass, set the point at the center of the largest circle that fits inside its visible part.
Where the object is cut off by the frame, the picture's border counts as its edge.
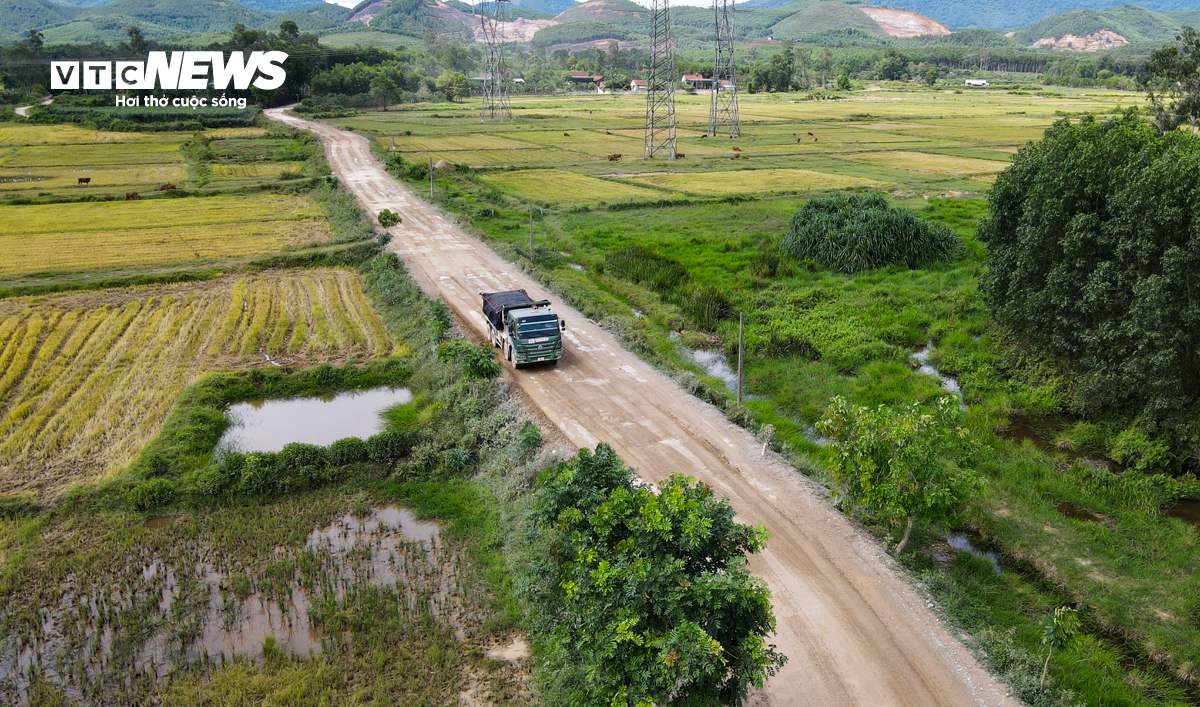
(97, 155)
(45, 178)
(234, 133)
(87, 379)
(19, 134)
(926, 162)
(755, 180)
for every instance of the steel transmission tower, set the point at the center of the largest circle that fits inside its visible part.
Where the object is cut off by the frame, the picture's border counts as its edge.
(660, 85)
(492, 14)
(723, 111)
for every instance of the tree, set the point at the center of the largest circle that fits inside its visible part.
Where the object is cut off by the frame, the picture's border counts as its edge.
(646, 598)
(34, 40)
(289, 31)
(892, 67)
(931, 77)
(825, 65)
(803, 58)
(1171, 80)
(477, 362)
(384, 89)
(1093, 262)
(905, 465)
(1059, 630)
(137, 43)
(387, 218)
(454, 86)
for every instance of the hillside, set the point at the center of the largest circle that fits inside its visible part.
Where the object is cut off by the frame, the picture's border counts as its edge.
(823, 17)
(552, 6)
(1093, 30)
(17, 16)
(156, 18)
(986, 13)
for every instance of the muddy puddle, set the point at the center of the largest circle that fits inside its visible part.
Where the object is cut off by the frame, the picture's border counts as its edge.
(925, 368)
(1079, 513)
(125, 636)
(1186, 511)
(1021, 432)
(962, 542)
(269, 425)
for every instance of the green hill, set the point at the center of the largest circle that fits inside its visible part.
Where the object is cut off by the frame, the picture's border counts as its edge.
(615, 11)
(156, 18)
(1133, 23)
(988, 13)
(552, 6)
(311, 18)
(824, 17)
(17, 16)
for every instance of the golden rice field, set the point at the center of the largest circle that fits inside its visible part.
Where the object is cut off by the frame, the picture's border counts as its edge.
(145, 176)
(927, 162)
(254, 170)
(528, 157)
(97, 236)
(558, 186)
(755, 180)
(235, 133)
(19, 134)
(96, 155)
(87, 379)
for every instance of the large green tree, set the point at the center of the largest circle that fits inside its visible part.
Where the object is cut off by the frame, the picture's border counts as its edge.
(1171, 80)
(1094, 238)
(645, 598)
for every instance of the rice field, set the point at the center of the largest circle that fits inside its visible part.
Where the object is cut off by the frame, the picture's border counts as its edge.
(20, 134)
(98, 236)
(96, 155)
(15, 181)
(87, 379)
(235, 133)
(528, 157)
(556, 186)
(254, 171)
(927, 162)
(755, 180)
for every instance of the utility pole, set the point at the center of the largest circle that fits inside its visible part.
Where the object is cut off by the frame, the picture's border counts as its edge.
(531, 233)
(431, 177)
(741, 342)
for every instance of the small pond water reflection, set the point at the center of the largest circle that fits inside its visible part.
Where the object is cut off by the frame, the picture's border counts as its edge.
(1078, 513)
(269, 425)
(1186, 511)
(962, 542)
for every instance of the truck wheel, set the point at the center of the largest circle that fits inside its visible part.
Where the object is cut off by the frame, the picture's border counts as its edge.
(554, 362)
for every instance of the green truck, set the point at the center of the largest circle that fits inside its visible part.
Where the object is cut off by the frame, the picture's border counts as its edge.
(528, 332)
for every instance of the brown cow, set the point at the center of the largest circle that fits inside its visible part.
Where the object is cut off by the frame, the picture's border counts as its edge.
(704, 136)
(566, 134)
(132, 196)
(737, 149)
(84, 181)
(167, 187)
(814, 137)
(607, 132)
(614, 158)
(679, 155)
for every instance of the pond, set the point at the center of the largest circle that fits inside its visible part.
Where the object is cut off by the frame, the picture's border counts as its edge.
(269, 425)
(1186, 511)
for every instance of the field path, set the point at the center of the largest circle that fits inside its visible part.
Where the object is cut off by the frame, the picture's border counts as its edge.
(23, 111)
(854, 631)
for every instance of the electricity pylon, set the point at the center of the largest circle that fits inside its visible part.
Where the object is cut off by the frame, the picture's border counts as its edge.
(723, 110)
(660, 85)
(492, 14)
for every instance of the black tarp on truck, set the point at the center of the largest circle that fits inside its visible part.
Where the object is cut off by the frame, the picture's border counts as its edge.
(495, 302)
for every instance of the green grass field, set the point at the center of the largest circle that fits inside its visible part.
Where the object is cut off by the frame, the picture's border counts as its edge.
(934, 151)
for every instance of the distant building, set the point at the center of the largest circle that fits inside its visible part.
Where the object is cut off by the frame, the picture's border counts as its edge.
(585, 77)
(697, 81)
(518, 80)
(637, 85)
(978, 83)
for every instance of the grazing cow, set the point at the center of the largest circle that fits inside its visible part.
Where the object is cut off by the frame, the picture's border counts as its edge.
(607, 132)
(704, 136)
(679, 155)
(84, 181)
(566, 134)
(132, 196)
(614, 158)
(814, 137)
(167, 187)
(737, 149)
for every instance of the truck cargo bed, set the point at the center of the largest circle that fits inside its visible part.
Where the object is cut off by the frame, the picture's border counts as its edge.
(495, 302)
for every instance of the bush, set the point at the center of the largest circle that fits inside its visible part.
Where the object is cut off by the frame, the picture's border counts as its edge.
(350, 450)
(296, 455)
(389, 447)
(851, 233)
(706, 305)
(261, 473)
(1093, 260)
(388, 218)
(477, 362)
(151, 494)
(638, 265)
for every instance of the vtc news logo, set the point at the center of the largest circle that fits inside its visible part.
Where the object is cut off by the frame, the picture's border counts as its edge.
(194, 71)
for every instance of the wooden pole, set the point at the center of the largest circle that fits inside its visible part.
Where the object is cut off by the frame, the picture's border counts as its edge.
(741, 341)
(431, 178)
(531, 233)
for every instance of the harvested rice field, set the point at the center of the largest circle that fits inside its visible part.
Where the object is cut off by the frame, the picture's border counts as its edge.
(927, 162)
(87, 379)
(556, 186)
(755, 180)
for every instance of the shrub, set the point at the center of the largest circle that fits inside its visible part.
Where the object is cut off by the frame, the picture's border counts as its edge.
(706, 305)
(529, 440)
(388, 218)
(154, 493)
(261, 473)
(1137, 451)
(388, 447)
(350, 450)
(297, 455)
(477, 361)
(852, 232)
(636, 264)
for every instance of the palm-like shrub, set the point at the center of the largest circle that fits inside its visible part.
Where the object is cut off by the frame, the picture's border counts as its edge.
(852, 232)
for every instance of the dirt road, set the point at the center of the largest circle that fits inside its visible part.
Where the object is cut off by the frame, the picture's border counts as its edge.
(854, 631)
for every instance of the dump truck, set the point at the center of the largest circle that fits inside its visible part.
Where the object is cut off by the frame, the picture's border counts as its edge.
(527, 331)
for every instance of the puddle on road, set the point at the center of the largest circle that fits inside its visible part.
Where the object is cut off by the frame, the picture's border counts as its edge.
(269, 425)
(962, 542)
(1078, 513)
(234, 608)
(1186, 511)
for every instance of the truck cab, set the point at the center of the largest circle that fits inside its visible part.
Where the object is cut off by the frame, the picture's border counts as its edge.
(526, 331)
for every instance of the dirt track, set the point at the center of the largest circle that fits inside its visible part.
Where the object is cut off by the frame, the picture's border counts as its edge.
(854, 631)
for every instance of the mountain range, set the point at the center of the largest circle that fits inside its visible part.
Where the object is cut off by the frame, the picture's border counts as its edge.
(1051, 24)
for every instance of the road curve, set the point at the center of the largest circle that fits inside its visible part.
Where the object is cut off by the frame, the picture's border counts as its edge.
(854, 631)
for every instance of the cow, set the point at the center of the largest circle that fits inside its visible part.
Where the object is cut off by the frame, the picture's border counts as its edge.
(614, 158)
(679, 155)
(606, 132)
(704, 136)
(566, 134)
(167, 187)
(132, 196)
(737, 149)
(84, 181)
(814, 137)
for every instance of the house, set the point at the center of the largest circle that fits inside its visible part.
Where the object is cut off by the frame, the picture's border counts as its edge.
(978, 83)
(518, 80)
(637, 85)
(696, 81)
(585, 77)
